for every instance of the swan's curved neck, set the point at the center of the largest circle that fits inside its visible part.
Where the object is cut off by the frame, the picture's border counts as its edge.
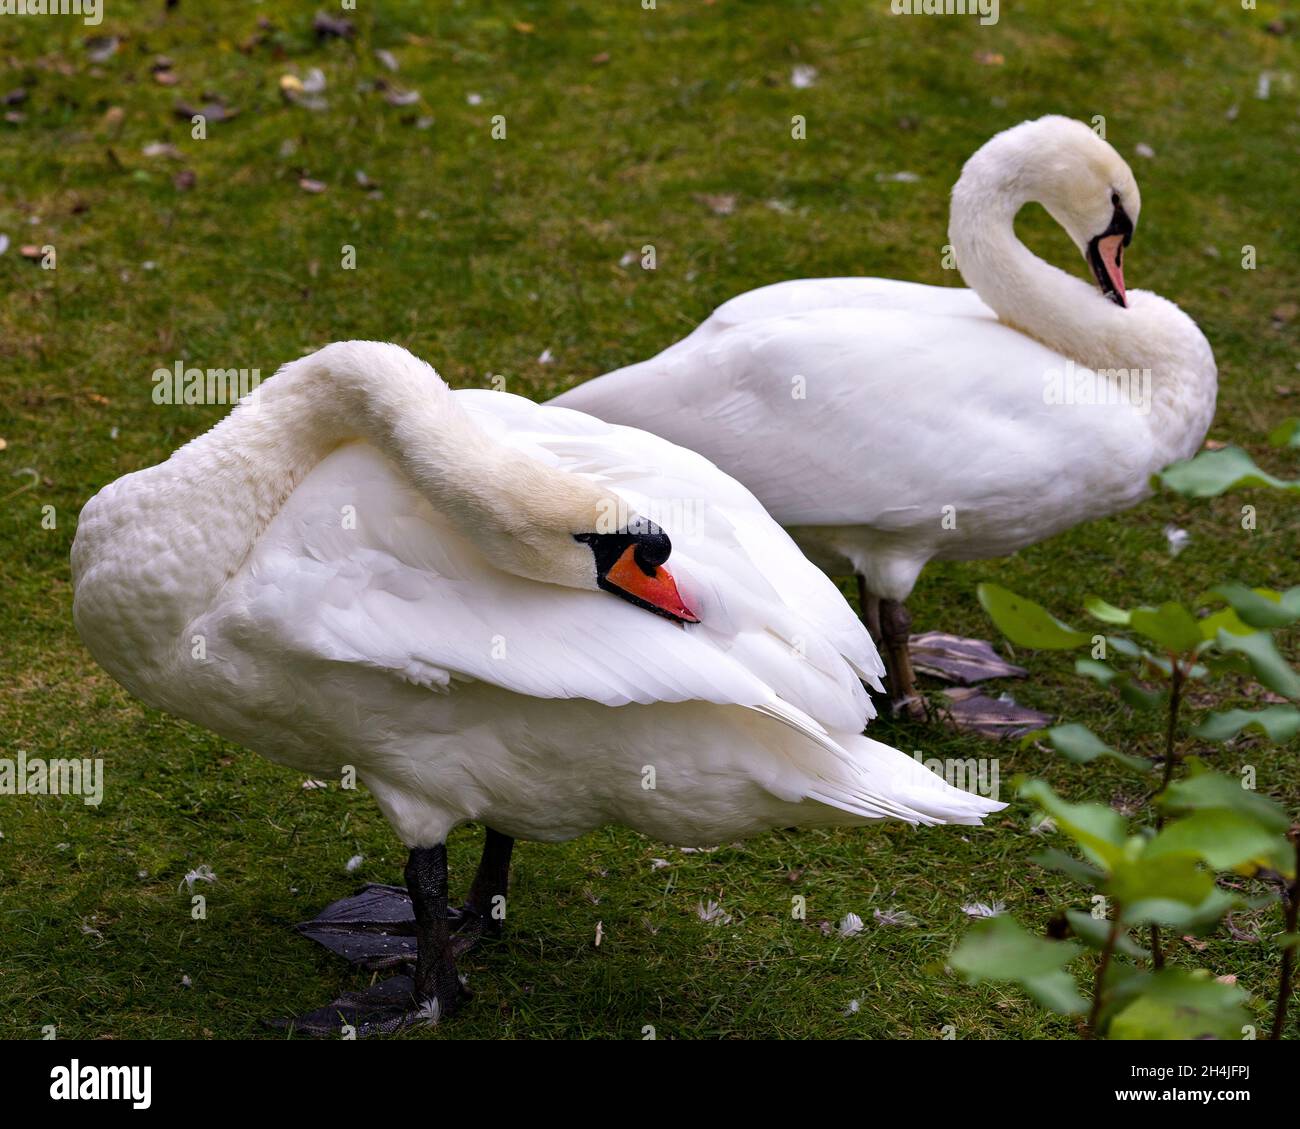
(1065, 313)
(1151, 339)
(189, 524)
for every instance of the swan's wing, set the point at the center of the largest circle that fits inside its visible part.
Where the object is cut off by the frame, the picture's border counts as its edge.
(357, 568)
(744, 569)
(880, 417)
(805, 295)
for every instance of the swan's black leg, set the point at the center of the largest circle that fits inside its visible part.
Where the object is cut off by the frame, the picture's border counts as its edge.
(487, 897)
(895, 630)
(869, 613)
(437, 986)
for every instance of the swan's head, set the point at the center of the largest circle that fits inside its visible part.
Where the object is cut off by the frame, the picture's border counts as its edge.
(630, 564)
(562, 528)
(1089, 190)
(1077, 177)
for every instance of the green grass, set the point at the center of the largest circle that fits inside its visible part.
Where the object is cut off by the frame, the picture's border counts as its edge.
(479, 255)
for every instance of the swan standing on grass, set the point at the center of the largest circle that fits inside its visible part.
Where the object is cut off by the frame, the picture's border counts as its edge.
(887, 423)
(462, 595)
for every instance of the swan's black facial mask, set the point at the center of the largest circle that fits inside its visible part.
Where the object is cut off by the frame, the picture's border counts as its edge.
(1106, 254)
(630, 565)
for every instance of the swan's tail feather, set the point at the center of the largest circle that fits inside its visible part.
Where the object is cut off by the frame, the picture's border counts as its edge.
(887, 784)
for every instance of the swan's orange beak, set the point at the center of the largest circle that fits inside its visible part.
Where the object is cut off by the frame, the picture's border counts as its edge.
(1110, 250)
(655, 591)
(1105, 254)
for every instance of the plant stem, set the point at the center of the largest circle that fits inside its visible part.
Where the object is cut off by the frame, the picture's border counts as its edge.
(1171, 731)
(1291, 922)
(1099, 979)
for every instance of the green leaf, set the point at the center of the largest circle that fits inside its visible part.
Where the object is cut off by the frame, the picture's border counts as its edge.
(1097, 670)
(1211, 473)
(1025, 623)
(1278, 723)
(1177, 1004)
(1214, 790)
(1170, 626)
(1183, 915)
(1078, 743)
(1219, 665)
(1257, 607)
(1123, 646)
(1286, 433)
(1094, 931)
(1107, 613)
(1266, 663)
(1000, 949)
(1121, 680)
(1223, 838)
(1137, 883)
(1080, 871)
(1097, 829)
(1139, 696)
(1224, 620)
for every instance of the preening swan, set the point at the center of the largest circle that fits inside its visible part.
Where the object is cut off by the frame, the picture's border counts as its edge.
(887, 423)
(474, 600)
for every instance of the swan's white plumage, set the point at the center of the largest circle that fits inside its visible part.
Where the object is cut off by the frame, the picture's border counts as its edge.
(360, 625)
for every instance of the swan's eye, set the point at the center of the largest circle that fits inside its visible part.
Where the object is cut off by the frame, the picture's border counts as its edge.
(652, 549)
(649, 544)
(1114, 199)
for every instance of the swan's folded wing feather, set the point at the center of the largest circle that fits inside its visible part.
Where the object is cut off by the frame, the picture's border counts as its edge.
(357, 568)
(716, 524)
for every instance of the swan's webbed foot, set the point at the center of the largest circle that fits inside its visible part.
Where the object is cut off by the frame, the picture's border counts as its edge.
(375, 928)
(968, 711)
(383, 1008)
(953, 658)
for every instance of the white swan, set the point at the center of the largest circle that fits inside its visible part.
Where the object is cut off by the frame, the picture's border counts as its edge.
(360, 567)
(887, 423)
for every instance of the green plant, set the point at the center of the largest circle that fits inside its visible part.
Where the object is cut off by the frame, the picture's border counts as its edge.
(1161, 875)
(1193, 825)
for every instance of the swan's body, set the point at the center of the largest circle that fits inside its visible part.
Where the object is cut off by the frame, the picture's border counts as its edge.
(360, 567)
(886, 423)
(913, 398)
